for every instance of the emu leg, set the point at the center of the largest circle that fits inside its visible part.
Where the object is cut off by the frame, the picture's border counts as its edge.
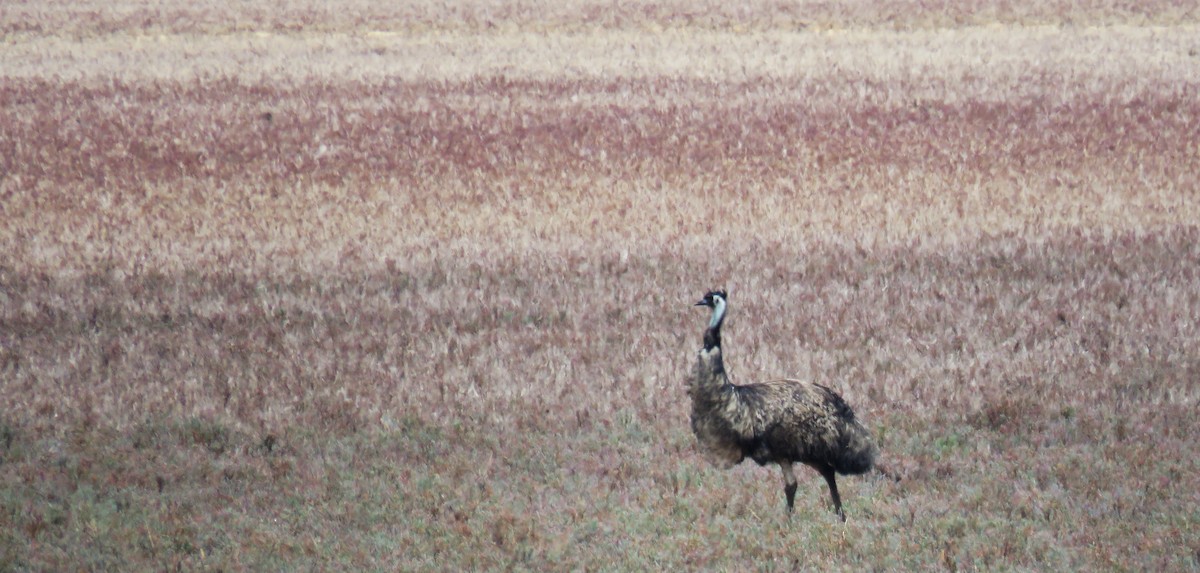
(831, 479)
(789, 484)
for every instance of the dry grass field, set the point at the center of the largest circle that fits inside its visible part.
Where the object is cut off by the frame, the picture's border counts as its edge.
(408, 286)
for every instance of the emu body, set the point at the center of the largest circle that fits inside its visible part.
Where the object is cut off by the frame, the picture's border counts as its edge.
(780, 421)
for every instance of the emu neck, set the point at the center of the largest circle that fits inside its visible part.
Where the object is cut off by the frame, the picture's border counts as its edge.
(712, 335)
(718, 314)
(709, 378)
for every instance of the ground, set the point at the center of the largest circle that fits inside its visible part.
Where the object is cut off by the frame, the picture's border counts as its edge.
(409, 286)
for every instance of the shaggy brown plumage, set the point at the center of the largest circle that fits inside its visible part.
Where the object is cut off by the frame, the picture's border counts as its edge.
(782, 421)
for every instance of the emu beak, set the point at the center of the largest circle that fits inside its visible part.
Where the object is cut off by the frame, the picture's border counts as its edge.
(701, 303)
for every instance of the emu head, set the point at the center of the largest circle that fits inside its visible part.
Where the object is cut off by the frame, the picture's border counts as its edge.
(714, 299)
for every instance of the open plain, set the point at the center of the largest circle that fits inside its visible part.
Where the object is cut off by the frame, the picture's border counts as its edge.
(408, 286)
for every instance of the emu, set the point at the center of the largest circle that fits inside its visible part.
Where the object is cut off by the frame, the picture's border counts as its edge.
(780, 421)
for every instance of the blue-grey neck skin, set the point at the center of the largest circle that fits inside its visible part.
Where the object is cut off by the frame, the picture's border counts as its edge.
(718, 314)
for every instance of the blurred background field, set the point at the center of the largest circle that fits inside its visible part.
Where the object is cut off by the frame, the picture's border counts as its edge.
(409, 287)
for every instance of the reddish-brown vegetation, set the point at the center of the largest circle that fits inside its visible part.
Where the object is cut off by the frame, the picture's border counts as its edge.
(410, 288)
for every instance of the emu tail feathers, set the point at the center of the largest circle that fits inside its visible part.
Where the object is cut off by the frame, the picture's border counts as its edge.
(858, 452)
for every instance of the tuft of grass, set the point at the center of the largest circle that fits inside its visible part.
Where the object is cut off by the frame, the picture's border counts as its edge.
(210, 435)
